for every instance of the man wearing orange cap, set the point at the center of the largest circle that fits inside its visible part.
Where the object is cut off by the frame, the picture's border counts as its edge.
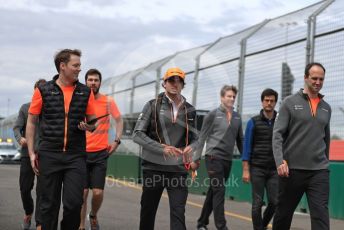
(166, 131)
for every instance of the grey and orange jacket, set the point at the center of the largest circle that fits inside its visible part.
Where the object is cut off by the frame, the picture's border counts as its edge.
(156, 126)
(299, 137)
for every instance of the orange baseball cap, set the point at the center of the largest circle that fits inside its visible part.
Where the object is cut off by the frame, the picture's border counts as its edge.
(171, 72)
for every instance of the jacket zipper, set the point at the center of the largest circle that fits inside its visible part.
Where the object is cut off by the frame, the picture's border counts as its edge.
(313, 113)
(65, 133)
(172, 114)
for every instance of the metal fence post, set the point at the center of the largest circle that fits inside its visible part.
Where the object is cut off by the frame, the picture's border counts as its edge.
(195, 81)
(241, 75)
(157, 83)
(311, 31)
(132, 94)
(197, 64)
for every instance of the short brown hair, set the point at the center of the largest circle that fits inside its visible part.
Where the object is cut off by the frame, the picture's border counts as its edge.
(93, 72)
(269, 92)
(226, 88)
(40, 82)
(310, 65)
(64, 56)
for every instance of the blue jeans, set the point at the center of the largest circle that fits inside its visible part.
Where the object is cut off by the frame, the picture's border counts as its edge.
(263, 178)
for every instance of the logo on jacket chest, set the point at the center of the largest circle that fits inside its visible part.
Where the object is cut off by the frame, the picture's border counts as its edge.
(298, 107)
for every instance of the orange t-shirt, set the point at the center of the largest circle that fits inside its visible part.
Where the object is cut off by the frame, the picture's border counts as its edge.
(37, 102)
(98, 139)
(314, 103)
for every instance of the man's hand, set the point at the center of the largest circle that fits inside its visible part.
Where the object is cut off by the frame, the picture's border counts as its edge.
(283, 169)
(246, 171)
(187, 150)
(112, 147)
(246, 176)
(194, 165)
(171, 151)
(23, 142)
(34, 163)
(86, 127)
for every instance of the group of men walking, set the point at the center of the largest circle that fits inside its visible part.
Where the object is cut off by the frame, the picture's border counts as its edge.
(52, 130)
(284, 153)
(277, 153)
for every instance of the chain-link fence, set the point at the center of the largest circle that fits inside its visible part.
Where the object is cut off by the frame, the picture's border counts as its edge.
(271, 54)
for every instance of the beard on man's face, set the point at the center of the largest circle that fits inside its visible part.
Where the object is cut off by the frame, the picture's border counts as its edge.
(95, 90)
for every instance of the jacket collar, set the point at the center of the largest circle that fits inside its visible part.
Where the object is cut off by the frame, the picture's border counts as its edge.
(57, 76)
(265, 118)
(223, 109)
(167, 99)
(305, 95)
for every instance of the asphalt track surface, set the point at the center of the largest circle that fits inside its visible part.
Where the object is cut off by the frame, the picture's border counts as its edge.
(121, 208)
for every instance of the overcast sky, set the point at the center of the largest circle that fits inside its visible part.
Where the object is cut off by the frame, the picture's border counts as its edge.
(114, 35)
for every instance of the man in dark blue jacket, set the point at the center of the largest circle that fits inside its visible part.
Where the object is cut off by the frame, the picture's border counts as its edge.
(258, 160)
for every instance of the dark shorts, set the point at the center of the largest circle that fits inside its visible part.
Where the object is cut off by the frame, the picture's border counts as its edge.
(96, 169)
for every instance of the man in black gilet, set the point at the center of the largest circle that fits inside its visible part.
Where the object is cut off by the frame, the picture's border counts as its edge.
(63, 104)
(258, 160)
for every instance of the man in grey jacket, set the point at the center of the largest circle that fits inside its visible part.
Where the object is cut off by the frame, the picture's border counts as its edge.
(221, 129)
(166, 131)
(301, 141)
(26, 175)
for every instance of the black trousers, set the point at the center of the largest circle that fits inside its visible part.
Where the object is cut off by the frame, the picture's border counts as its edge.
(154, 183)
(26, 182)
(315, 183)
(263, 178)
(218, 172)
(66, 172)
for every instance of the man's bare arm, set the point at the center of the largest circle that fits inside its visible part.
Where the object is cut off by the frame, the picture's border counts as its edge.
(119, 127)
(119, 130)
(30, 137)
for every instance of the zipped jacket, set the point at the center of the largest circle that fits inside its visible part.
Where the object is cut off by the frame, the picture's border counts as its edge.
(19, 129)
(220, 135)
(258, 141)
(156, 126)
(59, 130)
(299, 137)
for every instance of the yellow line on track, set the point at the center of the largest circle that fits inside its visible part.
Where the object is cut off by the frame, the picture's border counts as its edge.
(137, 187)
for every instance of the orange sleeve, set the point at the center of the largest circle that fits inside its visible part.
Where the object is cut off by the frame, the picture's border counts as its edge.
(36, 103)
(114, 109)
(91, 110)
